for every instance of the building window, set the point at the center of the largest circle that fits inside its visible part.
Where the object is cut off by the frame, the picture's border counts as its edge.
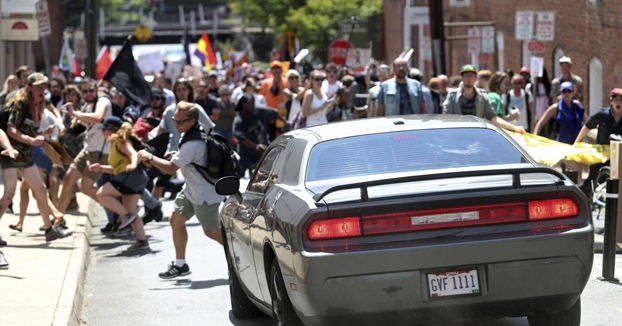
(596, 84)
(501, 51)
(557, 54)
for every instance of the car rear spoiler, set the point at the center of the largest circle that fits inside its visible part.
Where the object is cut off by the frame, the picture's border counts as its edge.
(430, 175)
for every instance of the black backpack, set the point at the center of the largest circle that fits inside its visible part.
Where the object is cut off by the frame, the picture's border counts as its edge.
(222, 161)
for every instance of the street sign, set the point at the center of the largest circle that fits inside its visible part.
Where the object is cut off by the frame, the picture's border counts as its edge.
(337, 51)
(524, 25)
(475, 40)
(459, 3)
(18, 21)
(488, 39)
(536, 46)
(425, 48)
(43, 18)
(79, 45)
(545, 30)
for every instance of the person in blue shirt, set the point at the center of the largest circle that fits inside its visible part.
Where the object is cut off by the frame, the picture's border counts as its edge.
(400, 95)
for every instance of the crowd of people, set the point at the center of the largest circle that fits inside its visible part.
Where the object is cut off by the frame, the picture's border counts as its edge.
(122, 153)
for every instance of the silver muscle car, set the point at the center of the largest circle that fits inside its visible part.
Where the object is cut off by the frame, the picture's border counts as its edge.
(403, 220)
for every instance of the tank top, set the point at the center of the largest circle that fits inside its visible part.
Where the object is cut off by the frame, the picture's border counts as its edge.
(116, 159)
(318, 118)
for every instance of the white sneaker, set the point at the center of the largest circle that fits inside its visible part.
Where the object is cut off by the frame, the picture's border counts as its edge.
(123, 233)
(3, 263)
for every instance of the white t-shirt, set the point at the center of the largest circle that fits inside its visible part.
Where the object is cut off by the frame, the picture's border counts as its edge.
(520, 104)
(330, 89)
(49, 119)
(95, 140)
(197, 189)
(318, 118)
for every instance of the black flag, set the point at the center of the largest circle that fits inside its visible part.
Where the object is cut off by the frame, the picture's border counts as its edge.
(125, 75)
(184, 41)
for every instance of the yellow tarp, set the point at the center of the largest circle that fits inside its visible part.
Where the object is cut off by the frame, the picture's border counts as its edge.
(550, 152)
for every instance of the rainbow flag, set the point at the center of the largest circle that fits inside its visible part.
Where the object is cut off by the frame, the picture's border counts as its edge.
(205, 52)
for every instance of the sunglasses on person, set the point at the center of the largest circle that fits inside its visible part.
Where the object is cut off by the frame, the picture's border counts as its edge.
(156, 99)
(318, 79)
(89, 90)
(292, 77)
(566, 91)
(181, 122)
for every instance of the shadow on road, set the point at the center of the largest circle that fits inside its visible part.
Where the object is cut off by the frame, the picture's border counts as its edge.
(259, 321)
(193, 285)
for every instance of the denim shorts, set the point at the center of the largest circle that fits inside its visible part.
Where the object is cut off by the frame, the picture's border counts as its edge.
(41, 159)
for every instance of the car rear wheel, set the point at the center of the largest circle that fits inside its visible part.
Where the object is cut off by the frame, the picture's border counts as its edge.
(283, 313)
(241, 305)
(570, 317)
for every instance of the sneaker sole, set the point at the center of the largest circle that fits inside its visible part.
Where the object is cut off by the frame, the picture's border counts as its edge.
(128, 223)
(180, 275)
(4, 267)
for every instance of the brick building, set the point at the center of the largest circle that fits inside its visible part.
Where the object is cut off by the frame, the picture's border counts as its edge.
(585, 30)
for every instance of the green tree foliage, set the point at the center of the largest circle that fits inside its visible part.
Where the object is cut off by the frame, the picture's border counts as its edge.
(315, 21)
(114, 10)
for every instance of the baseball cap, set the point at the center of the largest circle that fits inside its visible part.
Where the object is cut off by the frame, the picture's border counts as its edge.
(565, 59)
(468, 68)
(566, 86)
(212, 73)
(276, 63)
(36, 78)
(156, 92)
(131, 114)
(616, 91)
(111, 122)
(525, 70)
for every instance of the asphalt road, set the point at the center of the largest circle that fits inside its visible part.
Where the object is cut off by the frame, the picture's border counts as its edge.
(124, 289)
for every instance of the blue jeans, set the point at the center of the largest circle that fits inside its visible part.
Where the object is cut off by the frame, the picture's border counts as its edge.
(150, 201)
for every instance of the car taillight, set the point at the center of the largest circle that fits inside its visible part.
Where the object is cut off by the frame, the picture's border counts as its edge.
(335, 228)
(552, 208)
(442, 218)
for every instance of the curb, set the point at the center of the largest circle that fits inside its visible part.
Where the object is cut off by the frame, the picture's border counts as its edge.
(69, 307)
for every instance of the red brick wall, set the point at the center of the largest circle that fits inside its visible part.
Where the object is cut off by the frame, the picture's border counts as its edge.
(584, 29)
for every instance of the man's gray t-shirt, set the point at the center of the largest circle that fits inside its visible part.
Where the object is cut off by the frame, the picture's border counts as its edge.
(197, 189)
(167, 124)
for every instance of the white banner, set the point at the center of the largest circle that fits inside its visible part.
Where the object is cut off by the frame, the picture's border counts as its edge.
(150, 63)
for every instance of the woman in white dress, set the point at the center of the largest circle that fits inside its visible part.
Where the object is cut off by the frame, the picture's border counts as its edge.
(315, 104)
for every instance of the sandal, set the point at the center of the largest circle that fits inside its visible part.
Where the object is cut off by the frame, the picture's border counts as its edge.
(13, 227)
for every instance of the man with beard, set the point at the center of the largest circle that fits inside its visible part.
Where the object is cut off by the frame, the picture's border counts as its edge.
(96, 148)
(607, 120)
(400, 95)
(56, 91)
(468, 100)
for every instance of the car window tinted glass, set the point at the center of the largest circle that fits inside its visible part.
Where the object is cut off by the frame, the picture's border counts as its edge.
(260, 180)
(410, 151)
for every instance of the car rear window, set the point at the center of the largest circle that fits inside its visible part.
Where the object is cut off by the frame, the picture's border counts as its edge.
(409, 151)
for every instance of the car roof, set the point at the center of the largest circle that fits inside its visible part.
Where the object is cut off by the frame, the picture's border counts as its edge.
(379, 125)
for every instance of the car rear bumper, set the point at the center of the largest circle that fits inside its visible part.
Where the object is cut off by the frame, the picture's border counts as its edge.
(521, 275)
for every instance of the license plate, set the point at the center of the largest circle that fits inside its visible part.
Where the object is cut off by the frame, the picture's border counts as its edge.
(445, 284)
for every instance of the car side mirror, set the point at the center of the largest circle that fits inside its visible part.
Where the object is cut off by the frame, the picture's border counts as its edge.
(229, 186)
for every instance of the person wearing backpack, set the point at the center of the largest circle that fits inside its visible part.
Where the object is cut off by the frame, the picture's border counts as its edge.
(198, 196)
(128, 177)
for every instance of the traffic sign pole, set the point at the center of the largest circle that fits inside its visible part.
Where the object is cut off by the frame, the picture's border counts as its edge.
(46, 55)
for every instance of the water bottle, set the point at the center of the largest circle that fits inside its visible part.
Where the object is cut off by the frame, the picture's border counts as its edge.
(55, 132)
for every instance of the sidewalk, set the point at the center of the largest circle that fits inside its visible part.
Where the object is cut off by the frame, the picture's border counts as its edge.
(44, 282)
